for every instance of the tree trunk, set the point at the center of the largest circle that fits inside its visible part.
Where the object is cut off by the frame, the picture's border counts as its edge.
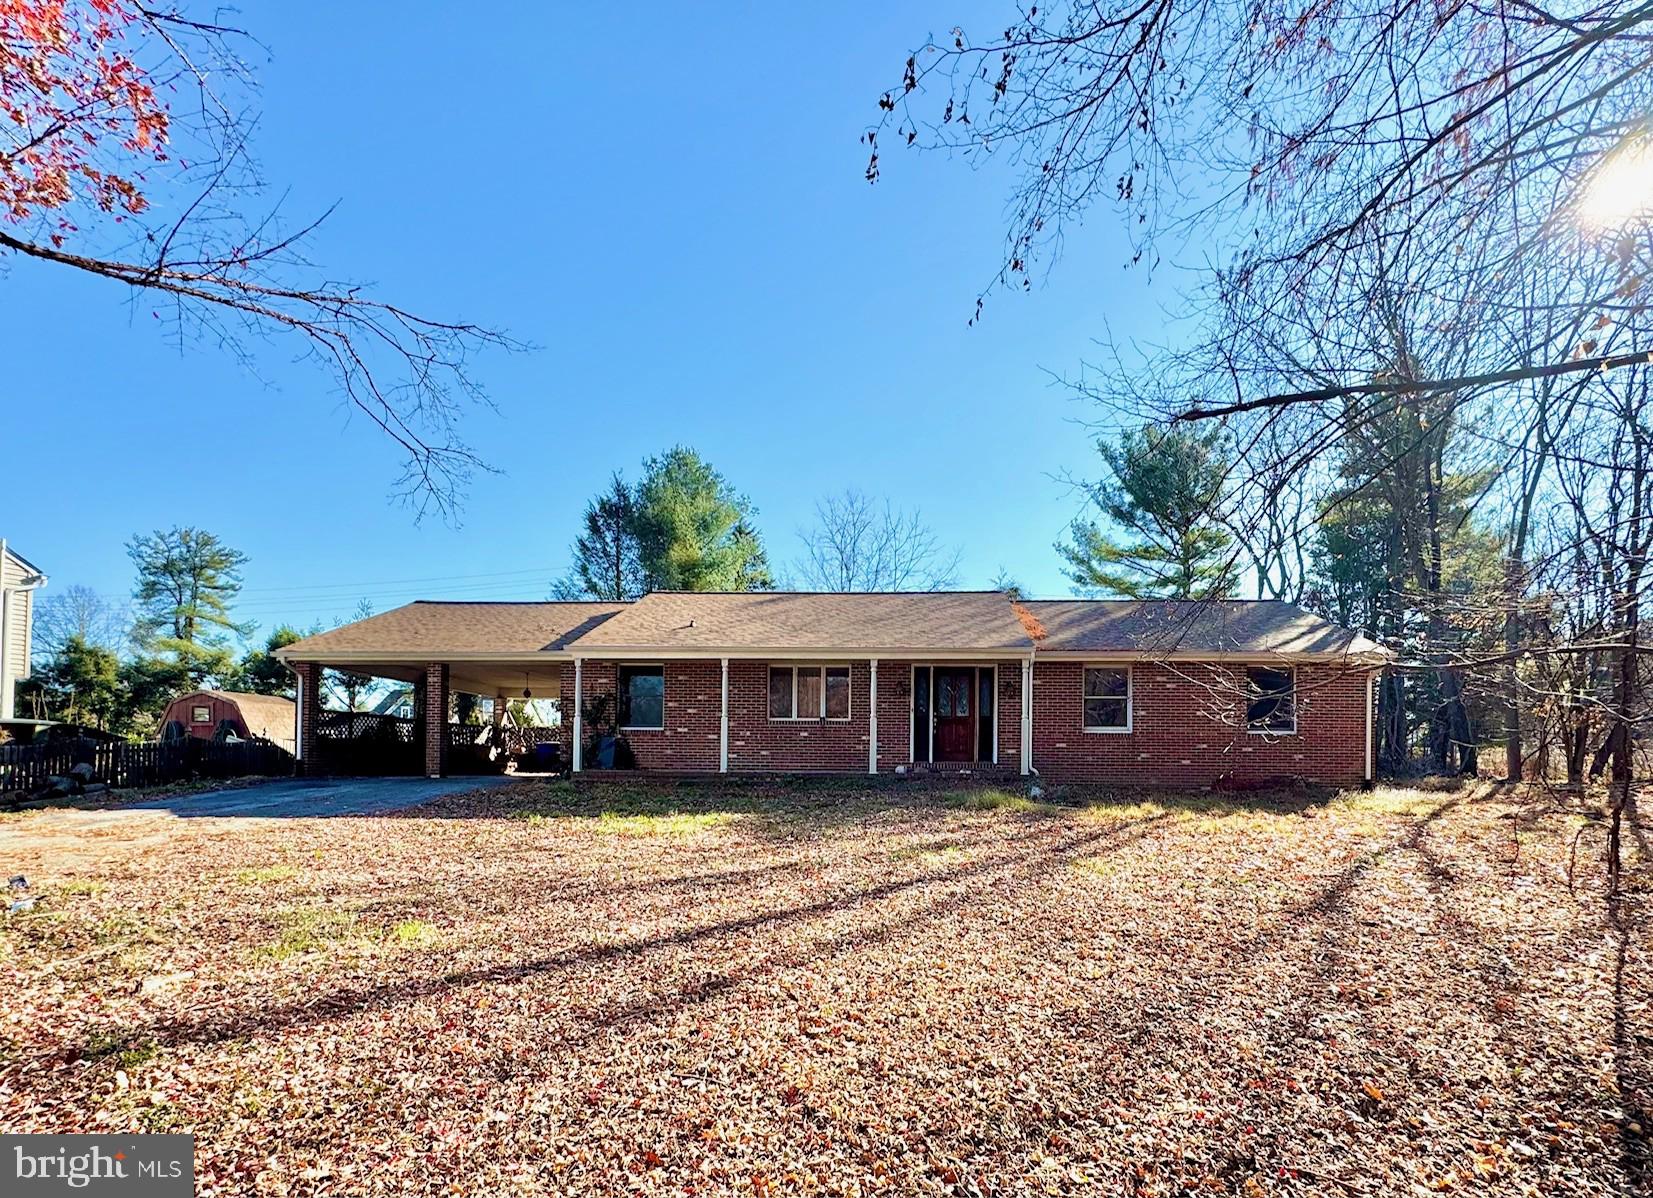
(1512, 686)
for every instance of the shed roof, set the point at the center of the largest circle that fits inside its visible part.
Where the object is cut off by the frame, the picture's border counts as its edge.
(970, 621)
(269, 716)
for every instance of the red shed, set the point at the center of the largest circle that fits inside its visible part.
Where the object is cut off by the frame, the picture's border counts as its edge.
(203, 714)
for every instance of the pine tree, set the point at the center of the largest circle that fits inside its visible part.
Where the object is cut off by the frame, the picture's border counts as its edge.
(187, 579)
(1161, 538)
(608, 560)
(695, 531)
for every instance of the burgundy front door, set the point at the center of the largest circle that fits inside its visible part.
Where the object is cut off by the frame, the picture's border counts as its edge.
(955, 715)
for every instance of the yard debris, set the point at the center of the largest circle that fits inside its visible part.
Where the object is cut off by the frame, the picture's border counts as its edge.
(831, 989)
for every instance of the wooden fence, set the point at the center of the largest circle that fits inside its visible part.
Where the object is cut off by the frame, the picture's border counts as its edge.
(118, 763)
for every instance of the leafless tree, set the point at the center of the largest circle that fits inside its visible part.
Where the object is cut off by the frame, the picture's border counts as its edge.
(1424, 264)
(78, 610)
(124, 154)
(861, 544)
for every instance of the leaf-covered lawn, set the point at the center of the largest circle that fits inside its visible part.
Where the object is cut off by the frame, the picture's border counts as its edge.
(776, 989)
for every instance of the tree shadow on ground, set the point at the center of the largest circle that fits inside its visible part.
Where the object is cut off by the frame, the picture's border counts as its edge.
(341, 1004)
(802, 807)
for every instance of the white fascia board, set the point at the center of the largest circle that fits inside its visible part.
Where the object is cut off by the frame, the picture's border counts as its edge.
(409, 656)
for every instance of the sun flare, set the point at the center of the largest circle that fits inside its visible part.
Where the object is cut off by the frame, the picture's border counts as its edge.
(1621, 188)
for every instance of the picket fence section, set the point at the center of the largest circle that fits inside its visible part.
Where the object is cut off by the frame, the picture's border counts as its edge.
(120, 764)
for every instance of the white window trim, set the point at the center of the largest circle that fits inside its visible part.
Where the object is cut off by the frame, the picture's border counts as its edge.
(1130, 695)
(822, 668)
(642, 665)
(1250, 729)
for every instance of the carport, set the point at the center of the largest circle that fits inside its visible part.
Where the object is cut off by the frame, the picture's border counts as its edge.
(497, 651)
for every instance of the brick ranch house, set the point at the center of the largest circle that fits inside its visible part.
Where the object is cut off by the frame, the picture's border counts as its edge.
(1075, 690)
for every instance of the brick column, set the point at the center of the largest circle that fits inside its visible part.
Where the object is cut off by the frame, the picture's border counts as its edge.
(308, 684)
(436, 719)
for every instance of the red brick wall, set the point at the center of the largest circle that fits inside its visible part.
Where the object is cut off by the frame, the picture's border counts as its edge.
(895, 708)
(1188, 728)
(688, 742)
(309, 701)
(758, 743)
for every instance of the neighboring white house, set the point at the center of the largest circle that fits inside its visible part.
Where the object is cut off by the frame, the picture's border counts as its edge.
(19, 579)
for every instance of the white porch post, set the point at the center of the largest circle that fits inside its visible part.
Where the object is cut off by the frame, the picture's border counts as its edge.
(1027, 716)
(723, 724)
(574, 752)
(872, 718)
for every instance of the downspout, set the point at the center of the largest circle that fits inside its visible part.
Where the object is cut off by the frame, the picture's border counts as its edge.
(1371, 704)
(872, 716)
(1027, 714)
(723, 724)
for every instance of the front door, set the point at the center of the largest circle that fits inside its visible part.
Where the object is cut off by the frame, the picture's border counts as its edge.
(955, 715)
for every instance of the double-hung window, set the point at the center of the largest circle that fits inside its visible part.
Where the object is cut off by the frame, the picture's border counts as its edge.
(642, 694)
(809, 692)
(1107, 699)
(1271, 699)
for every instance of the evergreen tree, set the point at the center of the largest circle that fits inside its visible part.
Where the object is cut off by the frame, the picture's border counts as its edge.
(187, 579)
(695, 531)
(1161, 538)
(608, 560)
(81, 684)
(260, 671)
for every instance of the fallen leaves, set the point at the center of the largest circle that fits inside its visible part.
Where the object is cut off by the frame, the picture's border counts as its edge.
(829, 990)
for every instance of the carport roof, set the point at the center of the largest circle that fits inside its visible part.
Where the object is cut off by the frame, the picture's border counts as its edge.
(430, 630)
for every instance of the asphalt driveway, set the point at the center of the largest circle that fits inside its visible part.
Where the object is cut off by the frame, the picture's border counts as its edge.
(315, 797)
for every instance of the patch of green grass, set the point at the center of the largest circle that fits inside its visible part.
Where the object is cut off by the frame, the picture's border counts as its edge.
(310, 929)
(993, 799)
(128, 1054)
(667, 823)
(158, 1118)
(81, 887)
(265, 873)
(1101, 867)
(411, 931)
(125, 930)
(931, 853)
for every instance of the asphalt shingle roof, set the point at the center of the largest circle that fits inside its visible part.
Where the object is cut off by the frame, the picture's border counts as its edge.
(1262, 626)
(430, 628)
(941, 620)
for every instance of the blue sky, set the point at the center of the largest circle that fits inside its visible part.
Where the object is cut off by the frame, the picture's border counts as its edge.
(667, 201)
